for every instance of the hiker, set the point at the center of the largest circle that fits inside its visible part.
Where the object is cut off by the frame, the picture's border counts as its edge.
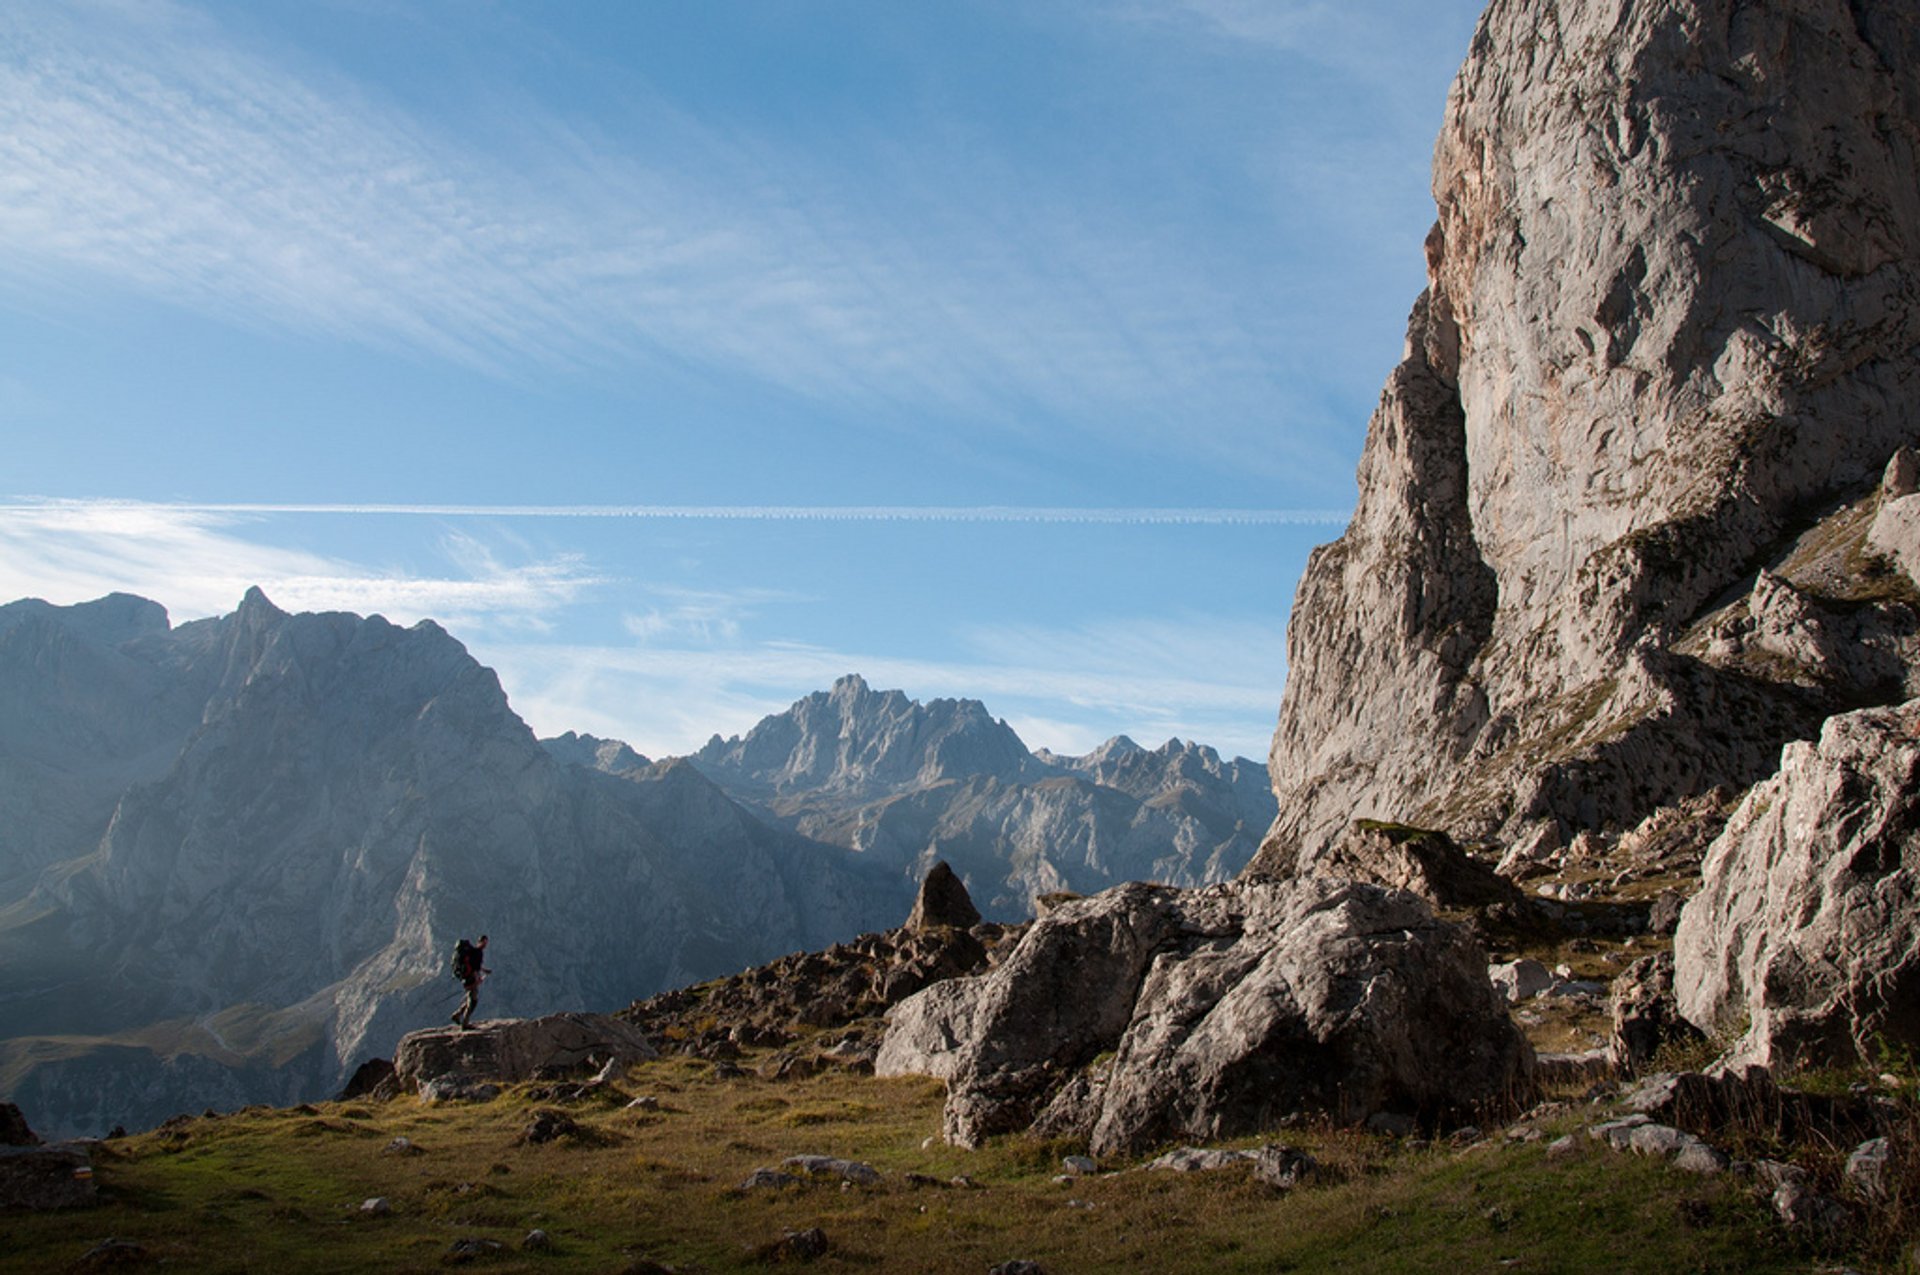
(467, 968)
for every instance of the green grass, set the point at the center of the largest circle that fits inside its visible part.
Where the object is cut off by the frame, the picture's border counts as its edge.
(280, 1190)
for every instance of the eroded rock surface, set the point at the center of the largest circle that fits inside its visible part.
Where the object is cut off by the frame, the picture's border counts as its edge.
(1806, 928)
(1670, 334)
(1148, 1014)
(508, 1050)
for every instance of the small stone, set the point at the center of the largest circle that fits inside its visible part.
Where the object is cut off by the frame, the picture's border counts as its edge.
(1618, 1134)
(1867, 1168)
(1081, 1204)
(646, 1103)
(470, 1248)
(537, 1241)
(1079, 1164)
(1800, 1206)
(797, 1246)
(824, 1166)
(403, 1145)
(1019, 1266)
(377, 1206)
(766, 1180)
(1564, 1147)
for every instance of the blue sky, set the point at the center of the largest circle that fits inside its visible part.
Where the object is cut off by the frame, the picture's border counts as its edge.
(679, 358)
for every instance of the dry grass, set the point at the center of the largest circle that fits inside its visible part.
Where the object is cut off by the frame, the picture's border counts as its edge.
(281, 1190)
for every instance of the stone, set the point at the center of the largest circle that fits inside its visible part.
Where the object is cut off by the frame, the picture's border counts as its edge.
(1684, 1149)
(766, 1180)
(943, 901)
(402, 1145)
(1618, 1134)
(49, 1176)
(1800, 1206)
(471, 1249)
(645, 1102)
(1194, 1160)
(1867, 1169)
(1421, 861)
(1663, 918)
(537, 1241)
(826, 1166)
(376, 1206)
(547, 1125)
(797, 1246)
(374, 1078)
(1520, 980)
(456, 1087)
(14, 1131)
(1646, 1018)
(1018, 1266)
(1079, 1164)
(1220, 1011)
(1584, 452)
(1802, 930)
(505, 1051)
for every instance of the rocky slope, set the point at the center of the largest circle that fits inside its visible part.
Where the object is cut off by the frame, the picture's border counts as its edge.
(1610, 548)
(906, 784)
(278, 826)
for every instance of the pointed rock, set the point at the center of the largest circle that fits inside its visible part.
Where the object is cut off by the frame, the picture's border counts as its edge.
(943, 901)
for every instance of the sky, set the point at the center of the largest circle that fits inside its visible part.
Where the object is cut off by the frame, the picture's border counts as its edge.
(682, 358)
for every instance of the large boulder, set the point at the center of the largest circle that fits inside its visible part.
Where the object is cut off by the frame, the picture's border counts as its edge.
(508, 1050)
(1148, 1014)
(1804, 937)
(58, 1176)
(1421, 861)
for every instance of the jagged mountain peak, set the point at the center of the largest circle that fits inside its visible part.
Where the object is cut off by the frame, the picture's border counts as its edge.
(853, 738)
(613, 756)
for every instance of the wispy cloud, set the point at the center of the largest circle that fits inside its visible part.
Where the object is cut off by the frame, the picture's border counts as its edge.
(200, 564)
(141, 147)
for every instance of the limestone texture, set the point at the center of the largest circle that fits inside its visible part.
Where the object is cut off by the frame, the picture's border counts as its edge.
(1804, 937)
(506, 1051)
(1149, 1014)
(1671, 334)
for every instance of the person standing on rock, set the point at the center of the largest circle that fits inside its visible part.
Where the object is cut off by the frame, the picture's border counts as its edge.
(468, 969)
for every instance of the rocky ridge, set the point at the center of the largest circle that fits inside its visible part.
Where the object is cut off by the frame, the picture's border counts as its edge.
(906, 784)
(324, 804)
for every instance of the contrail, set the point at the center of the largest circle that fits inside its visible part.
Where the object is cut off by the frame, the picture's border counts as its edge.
(732, 513)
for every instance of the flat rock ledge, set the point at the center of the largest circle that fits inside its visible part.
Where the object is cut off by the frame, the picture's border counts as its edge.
(1149, 1014)
(52, 1176)
(506, 1051)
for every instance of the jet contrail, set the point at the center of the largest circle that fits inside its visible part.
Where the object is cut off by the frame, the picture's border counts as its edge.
(732, 513)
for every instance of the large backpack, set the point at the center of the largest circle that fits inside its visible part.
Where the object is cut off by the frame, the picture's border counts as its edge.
(465, 957)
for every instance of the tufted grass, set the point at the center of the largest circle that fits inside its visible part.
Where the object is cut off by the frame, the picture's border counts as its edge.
(279, 1190)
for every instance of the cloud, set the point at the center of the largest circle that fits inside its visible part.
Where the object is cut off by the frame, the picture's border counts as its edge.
(1067, 689)
(199, 564)
(144, 148)
(1120, 516)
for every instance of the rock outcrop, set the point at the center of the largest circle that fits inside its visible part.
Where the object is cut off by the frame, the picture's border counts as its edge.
(506, 1051)
(1420, 861)
(1671, 336)
(1147, 1014)
(1804, 939)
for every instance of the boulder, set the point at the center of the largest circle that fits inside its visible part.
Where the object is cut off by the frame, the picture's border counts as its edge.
(1148, 1014)
(14, 1131)
(1645, 1015)
(509, 1050)
(1520, 980)
(943, 900)
(1420, 861)
(58, 1176)
(1805, 932)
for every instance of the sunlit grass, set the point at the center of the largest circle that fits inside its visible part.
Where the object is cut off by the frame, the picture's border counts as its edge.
(281, 1190)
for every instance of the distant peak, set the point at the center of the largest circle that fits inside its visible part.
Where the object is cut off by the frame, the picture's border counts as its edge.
(849, 686)
(256, 602)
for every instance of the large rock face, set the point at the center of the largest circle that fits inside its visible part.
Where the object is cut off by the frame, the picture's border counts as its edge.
(1218, 1011)
(907, 784)
(1806, 930)
(1671, 328)
(310, 809)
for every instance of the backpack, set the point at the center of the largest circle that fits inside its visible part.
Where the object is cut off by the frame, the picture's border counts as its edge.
(465, 958)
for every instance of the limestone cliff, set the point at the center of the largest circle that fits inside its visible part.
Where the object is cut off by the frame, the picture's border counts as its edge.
(1670, 339)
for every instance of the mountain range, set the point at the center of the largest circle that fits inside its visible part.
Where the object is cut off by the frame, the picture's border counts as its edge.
(236, 852)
